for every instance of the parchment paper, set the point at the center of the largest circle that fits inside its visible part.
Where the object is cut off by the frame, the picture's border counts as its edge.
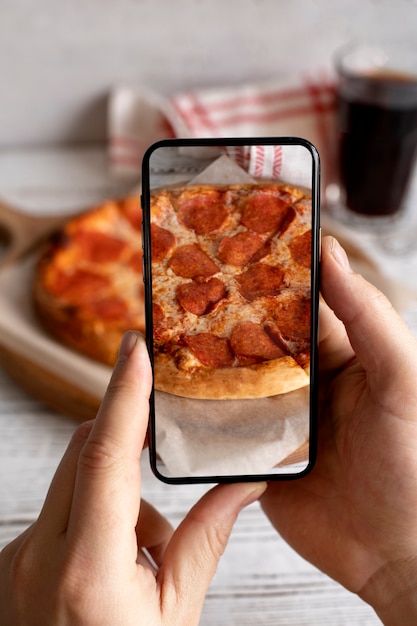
(229, 437)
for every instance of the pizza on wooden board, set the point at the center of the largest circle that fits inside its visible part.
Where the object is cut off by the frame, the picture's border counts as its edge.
(231, 280)
(88, 287)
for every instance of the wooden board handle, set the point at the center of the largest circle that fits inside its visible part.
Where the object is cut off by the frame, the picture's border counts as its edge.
(49, 388)
(20, 232)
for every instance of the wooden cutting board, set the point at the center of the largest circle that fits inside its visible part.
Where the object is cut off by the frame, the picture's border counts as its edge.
(21, 234)
(48, 387)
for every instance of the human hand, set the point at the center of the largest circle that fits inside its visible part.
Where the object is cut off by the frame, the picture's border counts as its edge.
(97, 555)
(355, 515)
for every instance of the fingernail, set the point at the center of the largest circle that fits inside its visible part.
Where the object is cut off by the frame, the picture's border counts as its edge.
(254, 492)
(127, 345)
(340, 256)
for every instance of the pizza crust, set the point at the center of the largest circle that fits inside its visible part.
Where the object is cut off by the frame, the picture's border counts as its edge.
(266, 379)
(73, 329)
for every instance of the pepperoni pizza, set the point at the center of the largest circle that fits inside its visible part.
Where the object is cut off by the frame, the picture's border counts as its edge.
(88, 287)
(231, 276)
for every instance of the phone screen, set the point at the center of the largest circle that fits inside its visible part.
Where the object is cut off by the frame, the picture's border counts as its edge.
(231, 247)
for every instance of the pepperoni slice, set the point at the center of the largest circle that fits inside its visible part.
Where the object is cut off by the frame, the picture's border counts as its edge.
(159, 324)
(78, 286)
(250, 341)
(99, 247)
(294, 317)
(240, 249)
(211, 350)
(135, 262)
(289, 217)
(262, 252)
(162, 242)
(303, 359)
(301, 249)
(157, 313)
(291, 328)
(108, 309)
(260, 280)
(266, 213)
(203, 213)
(133, 212)
(191, 262)
(200, 298)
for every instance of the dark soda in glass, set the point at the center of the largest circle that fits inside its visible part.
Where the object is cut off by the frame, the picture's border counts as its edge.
(378, 140)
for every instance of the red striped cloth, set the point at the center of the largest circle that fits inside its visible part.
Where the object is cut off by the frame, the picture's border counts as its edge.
(138, 117)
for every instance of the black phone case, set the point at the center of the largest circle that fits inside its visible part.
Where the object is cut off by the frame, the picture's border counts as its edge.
(177, 168)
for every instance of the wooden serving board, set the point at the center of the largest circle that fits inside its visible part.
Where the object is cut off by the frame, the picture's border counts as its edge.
(21, 232)
(44, 385)
(44, 376)
(67, 382)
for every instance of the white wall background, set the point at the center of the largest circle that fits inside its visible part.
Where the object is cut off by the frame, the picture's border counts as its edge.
(59, 58)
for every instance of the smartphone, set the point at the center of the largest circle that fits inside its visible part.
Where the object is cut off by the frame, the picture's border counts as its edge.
(230, 267)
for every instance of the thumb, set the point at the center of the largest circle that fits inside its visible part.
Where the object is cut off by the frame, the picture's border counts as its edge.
(195, 549)
(379, 337)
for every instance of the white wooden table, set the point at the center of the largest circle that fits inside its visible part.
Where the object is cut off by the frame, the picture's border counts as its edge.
(260, 580)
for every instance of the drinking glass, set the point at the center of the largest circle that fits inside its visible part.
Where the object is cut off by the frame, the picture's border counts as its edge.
(377, 126)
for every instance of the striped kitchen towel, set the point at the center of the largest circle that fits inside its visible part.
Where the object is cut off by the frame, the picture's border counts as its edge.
(138, 117)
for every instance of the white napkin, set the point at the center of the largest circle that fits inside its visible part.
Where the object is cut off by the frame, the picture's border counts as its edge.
(303, 107)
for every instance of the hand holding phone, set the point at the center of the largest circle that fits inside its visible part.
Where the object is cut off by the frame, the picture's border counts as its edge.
(231, 285)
